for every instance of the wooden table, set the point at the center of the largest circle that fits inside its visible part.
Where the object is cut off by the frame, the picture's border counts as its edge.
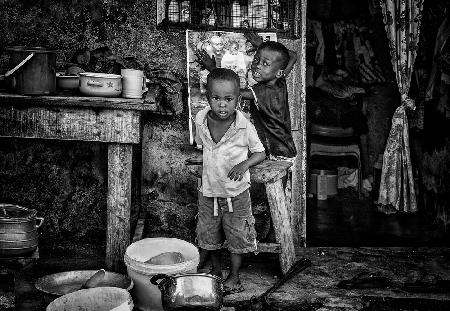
(115, 121)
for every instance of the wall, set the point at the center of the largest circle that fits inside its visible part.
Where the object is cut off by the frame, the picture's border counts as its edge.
(66, 181)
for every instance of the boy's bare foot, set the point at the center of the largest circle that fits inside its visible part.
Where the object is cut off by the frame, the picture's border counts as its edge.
(232, 285)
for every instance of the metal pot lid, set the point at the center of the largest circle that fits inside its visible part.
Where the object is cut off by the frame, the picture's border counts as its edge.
(99, 75)
(15, 212)
(35, 49)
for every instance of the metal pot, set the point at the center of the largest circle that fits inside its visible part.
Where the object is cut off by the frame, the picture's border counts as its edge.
(191, 290)
(33, 70)
(18, 230)
(100, 84)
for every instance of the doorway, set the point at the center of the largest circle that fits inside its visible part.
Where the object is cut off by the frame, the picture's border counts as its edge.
(350, 83)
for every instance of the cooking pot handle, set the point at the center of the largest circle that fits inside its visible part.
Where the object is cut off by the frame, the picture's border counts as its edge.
(41, 221)
(94, 83)
(10, 72)
(158, 278)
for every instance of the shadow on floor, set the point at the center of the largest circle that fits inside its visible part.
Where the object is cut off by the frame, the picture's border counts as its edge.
(345, 220)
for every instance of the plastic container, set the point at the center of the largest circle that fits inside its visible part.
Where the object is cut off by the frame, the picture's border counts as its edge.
(147, 296)
(133, 83)
(94, 299)
(322, 184)
(331, 182)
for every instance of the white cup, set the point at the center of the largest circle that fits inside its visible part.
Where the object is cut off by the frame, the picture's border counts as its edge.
(133, 83)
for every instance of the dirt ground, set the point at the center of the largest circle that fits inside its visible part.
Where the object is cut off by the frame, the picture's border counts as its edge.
(314, 288)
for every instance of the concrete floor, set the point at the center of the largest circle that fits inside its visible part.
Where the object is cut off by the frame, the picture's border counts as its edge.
(395, 247)
(314, 288)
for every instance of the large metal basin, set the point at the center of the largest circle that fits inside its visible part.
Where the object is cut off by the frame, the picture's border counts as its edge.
(58, 284)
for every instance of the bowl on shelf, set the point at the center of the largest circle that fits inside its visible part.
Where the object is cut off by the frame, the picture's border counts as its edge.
(64, 82)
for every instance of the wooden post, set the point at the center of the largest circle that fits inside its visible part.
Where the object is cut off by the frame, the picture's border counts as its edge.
(281, 223)
(118, 204)
(300, 168)
(296, 81)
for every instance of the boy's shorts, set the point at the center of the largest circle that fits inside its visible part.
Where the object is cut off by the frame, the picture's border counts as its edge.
(237, 227)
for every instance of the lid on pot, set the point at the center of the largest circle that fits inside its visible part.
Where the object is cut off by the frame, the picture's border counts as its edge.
(12, 212)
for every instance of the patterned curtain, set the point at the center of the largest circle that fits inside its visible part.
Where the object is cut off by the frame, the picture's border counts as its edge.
(402, 22)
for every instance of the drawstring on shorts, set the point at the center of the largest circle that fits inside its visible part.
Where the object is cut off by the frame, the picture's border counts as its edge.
(216, 206)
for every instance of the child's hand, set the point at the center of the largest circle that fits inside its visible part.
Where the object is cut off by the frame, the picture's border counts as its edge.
(237, 172)
(253, 38)
(205, 60)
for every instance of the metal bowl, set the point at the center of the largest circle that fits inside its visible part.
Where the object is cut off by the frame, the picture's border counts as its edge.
(58, 284)
(67, 82)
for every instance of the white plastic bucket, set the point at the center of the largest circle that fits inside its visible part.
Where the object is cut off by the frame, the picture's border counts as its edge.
(94, 299)
(147, 296)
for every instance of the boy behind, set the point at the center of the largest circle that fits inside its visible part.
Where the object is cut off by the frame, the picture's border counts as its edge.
(269, 106)
(224, 199)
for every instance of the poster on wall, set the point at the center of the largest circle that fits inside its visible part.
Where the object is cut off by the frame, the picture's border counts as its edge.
(231, 50)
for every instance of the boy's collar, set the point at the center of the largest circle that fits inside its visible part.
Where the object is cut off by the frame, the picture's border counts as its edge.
(240, 121)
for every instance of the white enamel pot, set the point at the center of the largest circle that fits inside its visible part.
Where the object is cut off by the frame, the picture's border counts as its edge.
(100, 84)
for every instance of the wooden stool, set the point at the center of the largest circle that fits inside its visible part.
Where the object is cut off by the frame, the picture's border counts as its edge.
(271, 173)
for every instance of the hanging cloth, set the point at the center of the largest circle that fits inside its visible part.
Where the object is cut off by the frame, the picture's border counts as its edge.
(402, 23)
(441, 38)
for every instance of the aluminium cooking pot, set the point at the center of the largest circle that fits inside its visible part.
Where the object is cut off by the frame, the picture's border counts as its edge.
(100, 84)
(33, 70)
(190, 290)
(18, 230)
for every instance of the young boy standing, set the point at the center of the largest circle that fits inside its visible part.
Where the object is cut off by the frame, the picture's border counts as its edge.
(224, 199)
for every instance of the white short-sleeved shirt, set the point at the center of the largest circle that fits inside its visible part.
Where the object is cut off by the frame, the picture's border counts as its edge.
(219, 158)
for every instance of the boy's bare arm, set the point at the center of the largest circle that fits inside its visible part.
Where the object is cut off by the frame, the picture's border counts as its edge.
(246, 94)
(237, 172)
(253, 38)
(292, 61)
(205, 60)
(256, 158)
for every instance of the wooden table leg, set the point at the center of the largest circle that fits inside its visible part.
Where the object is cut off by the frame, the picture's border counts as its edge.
(118, 204)
(281, 223)
(136, 181)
